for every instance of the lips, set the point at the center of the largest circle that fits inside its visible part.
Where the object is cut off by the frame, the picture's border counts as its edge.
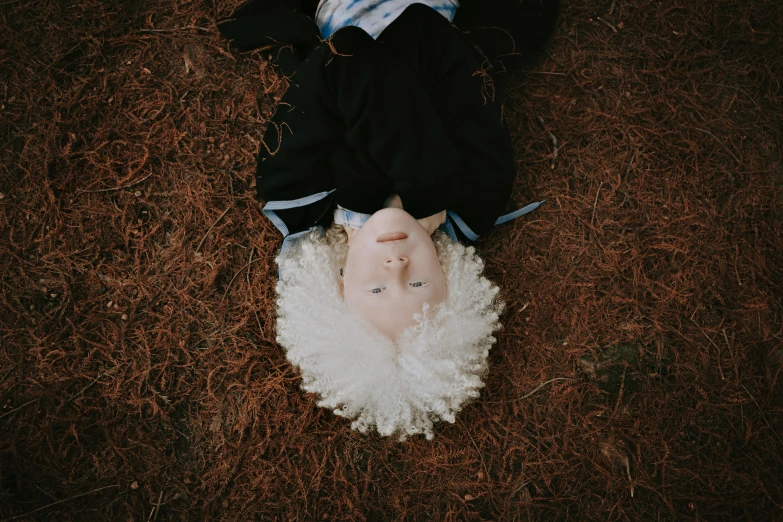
(391, 236)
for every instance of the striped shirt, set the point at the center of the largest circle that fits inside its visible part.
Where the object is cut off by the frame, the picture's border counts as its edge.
(371, 15)
(349, 218)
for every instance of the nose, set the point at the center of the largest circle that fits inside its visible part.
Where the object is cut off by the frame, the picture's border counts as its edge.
(396, 262)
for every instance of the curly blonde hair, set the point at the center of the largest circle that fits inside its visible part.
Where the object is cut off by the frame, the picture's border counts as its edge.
(400, 388)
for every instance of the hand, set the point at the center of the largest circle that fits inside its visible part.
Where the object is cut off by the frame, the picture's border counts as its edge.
(431, 223)
(393, 201)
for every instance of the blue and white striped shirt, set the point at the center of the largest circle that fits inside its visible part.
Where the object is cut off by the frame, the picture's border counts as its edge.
(349, 218)
(371, 15)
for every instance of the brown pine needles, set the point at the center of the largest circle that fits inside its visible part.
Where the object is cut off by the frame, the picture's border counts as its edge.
(646, 293)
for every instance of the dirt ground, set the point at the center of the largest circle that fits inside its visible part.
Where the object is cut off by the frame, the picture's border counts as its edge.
(638, 374)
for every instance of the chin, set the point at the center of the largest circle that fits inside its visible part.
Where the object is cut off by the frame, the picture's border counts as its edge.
(397, 388)
(390, 220)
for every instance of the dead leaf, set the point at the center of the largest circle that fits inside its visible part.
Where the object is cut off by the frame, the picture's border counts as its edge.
(618, 459)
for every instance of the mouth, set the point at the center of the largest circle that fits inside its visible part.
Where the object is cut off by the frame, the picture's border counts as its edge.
(391, 236)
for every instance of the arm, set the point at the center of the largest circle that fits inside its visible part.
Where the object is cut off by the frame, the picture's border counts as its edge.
(391, 122)
(261, 23)
(449, 71)
(355, 118)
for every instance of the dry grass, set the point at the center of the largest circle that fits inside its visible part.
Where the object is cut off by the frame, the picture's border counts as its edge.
(139, 376)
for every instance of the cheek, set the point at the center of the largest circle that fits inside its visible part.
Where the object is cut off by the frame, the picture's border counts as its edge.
(352, 285)
(441, 293)
(357, 253)
(353, 298)
(360, 262)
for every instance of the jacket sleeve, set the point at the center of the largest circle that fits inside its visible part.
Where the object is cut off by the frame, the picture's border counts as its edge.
(356, 119)
(261, 23)
(450, 71)
(295, 155)
(389, 117)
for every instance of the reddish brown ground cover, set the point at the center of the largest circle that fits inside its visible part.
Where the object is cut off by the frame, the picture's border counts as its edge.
(638, 375)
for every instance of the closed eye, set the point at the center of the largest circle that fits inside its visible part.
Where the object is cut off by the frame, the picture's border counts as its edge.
(418, 284)
(377, 290)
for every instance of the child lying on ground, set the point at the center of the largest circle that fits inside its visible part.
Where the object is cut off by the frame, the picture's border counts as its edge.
(386, 143)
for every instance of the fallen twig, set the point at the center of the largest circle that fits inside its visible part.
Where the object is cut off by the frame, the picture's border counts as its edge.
(205, 29)
(763, 415)
(731, 353)
(481, 456)
(540, 386)
(726, 337)
(59, 502)
(250, 260)
(607, 24)
(8, 372)
(720, 368)
(18, 408)
(736, 262)
(719, 141)
(103, 374)
(201, 243)
(258, 321)
(549, 55)
(156, 508)
(736, 89)
(545, 72)
(553, 139)
(237, 274)
(630, 165)
(595, 203)
(129, 185)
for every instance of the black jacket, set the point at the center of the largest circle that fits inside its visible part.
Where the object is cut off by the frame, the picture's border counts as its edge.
(409, 113)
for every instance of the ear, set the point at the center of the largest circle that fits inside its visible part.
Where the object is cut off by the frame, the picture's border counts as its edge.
(350, 232)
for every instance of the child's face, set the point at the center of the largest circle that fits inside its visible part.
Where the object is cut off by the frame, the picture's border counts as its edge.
(391, 271)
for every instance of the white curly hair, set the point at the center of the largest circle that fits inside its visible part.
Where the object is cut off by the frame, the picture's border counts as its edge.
(401, 387)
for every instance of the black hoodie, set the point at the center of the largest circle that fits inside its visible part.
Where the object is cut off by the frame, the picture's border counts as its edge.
(410, 113)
